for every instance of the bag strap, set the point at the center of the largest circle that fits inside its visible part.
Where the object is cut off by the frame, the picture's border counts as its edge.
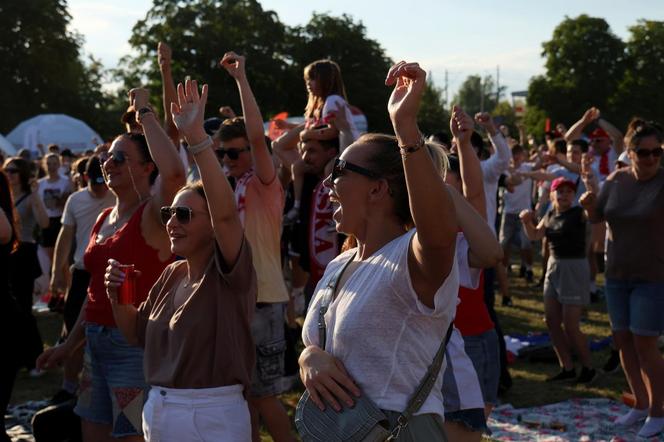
(424, 388)
(328, 296)
(20, 200)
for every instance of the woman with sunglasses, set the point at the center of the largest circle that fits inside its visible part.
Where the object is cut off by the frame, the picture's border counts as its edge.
(23, 263)
(632, 203)
(195, 324)
(397, 296)
(113, 384)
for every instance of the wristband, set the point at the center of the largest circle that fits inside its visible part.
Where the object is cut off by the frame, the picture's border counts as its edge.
(408, 149)
(142, 112)
(200, 147)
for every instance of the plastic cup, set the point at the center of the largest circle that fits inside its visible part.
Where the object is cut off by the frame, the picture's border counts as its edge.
(127, 291)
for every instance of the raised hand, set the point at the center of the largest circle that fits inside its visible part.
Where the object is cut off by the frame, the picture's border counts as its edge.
(461, 125)
(591, 115)
(338, 119)
(164, 55)
(227, 112)
(409, 80)
(139, 98)
(484, 120)
(234, 65)
(588, 201)
(189, 112)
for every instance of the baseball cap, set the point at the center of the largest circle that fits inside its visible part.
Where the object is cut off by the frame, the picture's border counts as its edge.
(562, 181)
(598, 133)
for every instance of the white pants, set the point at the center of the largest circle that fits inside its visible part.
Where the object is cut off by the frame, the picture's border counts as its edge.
(206, 414)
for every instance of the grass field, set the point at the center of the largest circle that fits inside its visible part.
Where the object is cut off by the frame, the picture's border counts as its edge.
(529, 387)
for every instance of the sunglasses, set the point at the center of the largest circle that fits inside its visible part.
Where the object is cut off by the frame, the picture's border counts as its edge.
(645, 153)
(340, 166)
(118, 157)
(233, 154)
(182, 214)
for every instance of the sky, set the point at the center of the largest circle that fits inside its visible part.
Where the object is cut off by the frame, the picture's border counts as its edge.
(460, 37)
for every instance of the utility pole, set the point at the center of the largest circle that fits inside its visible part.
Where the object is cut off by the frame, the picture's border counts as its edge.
(497, 84)
(445, 93)
(482, 94)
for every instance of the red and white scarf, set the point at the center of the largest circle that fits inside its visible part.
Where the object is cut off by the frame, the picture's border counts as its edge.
(241, 193)
(323, 243)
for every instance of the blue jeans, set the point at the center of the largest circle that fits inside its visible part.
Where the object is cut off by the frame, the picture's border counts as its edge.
(636, 306)
(113, 388)
(484, 352)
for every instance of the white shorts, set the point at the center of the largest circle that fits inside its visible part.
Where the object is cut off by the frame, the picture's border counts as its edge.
(206, 414)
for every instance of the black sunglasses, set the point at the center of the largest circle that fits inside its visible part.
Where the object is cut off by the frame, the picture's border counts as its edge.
(118, 157)
(233, 154)
(182, 214)
(645, 153)
(341, 165)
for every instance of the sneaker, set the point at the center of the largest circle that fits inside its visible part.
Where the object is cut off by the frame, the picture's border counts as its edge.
(507, 301)
(529, 276)
(61, 397)
(564, 375)
(613, 363)
(587, 376)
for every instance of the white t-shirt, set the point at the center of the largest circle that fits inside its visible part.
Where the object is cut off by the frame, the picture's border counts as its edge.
(332, 103)
(81, 212)
(385, 337)
(50, 192)
(521, 198)
(492, 168)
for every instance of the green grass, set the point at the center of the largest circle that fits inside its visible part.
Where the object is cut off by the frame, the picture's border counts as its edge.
(527, 315)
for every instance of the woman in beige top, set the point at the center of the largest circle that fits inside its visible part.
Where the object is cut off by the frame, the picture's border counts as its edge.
(195, 324)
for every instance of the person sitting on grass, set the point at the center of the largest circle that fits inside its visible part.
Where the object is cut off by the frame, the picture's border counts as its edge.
(566, 282)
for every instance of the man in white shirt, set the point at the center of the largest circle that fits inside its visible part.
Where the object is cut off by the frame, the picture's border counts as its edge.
(517, 198)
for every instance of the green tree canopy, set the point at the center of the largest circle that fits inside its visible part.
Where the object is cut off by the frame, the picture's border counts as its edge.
(433, 115)
(41, 67)
(478, 94)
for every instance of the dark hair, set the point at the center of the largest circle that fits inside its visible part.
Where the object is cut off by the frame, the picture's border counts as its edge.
(24, 172)
(81, 164)
(386, 160)
(517, 149)
(232, 128)
(54, 148)
(645, 129)
(441, 137)
(583, 144)
(328, 75)
(7, 205)
(143, 149)
(455, 166)
(560, 146)
(196, 186)
(66, 152)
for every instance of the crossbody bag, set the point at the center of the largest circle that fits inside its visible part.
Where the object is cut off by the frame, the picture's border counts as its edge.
(364, 422)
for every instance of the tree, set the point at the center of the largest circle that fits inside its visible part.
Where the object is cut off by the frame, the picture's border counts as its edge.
(535, 121)
(41, 65)
(478, 94)
(433, 115)
(644, 74)
(585, 62)
(200, 32)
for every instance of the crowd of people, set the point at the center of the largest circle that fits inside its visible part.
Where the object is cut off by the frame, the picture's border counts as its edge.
(201, 266)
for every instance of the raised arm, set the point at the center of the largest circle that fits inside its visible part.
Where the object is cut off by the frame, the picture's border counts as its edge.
(164, 154)
(499, 162)
(431, 206)
(339, 121)
(576, 131)
(168, 94)
(188, 115)
(469, 164)
(615, 134)
(285, 147)
(533, 233)
(263, 164)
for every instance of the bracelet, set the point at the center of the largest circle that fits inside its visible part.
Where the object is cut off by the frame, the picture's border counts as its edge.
(140, 114)
(408, 149)
(200, 147)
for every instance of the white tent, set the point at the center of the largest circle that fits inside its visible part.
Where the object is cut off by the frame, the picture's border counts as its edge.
(6, 147)
(60, 129)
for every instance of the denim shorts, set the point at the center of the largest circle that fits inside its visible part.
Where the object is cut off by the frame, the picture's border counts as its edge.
(636, 306)
(511, 232)
(113, 388)
(484, 352)
(267, 330)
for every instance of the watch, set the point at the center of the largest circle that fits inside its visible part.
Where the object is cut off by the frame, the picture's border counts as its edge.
(142, 111)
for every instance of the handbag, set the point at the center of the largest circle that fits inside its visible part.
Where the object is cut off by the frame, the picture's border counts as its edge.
(364, 422)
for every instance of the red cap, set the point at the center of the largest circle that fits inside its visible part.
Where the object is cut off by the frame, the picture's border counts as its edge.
(599, 133)
(562, 181)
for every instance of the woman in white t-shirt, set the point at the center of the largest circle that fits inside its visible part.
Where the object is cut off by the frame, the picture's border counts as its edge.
(397, 297)
(54, 189)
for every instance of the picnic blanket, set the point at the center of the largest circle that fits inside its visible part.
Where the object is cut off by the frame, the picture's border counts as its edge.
(582, 420)
(18, 418)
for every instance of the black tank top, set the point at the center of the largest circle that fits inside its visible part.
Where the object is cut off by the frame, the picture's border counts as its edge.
(566, 233)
